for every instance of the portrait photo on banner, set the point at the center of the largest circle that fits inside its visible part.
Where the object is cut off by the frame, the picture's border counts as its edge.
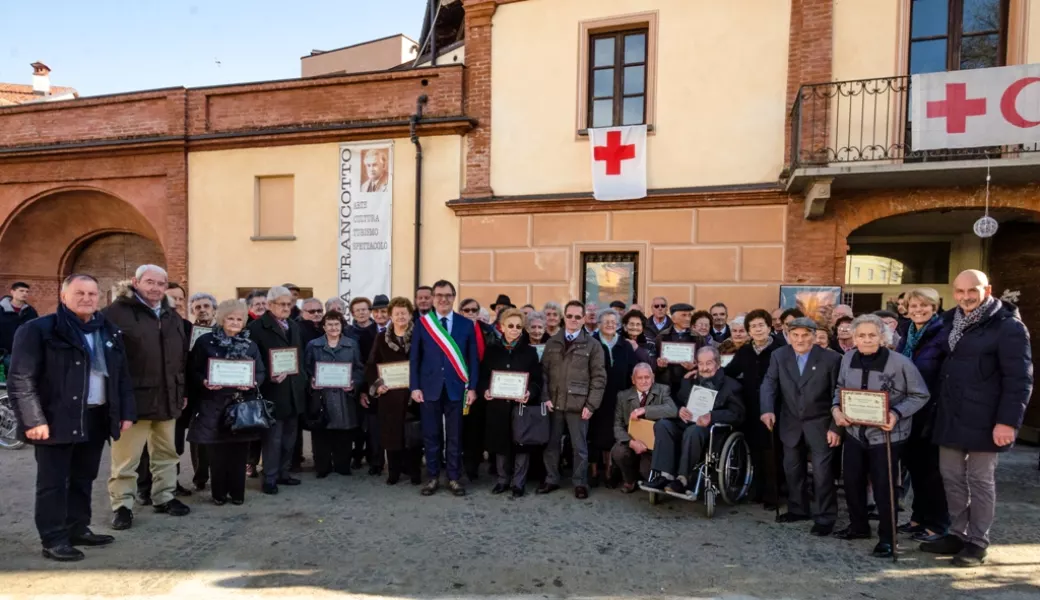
(816, 302)
(375, 174)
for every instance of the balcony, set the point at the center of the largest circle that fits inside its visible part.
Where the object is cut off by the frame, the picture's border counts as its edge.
(856, 135)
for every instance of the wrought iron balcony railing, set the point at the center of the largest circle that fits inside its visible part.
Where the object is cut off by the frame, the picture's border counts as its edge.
(866, 120)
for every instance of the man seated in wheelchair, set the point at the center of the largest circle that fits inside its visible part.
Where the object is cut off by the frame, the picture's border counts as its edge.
(680, 440)
(644, 400)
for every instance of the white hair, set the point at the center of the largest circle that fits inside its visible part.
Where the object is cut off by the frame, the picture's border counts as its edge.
(643, 365)
(484, 315)
(606, 312)
(277, 292)
(737, 320)
(336, 301)
(139, 273)
(715, 354)
(876, 321)
(202, 296)
(536, 316)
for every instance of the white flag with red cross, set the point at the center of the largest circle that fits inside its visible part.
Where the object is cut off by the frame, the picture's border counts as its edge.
(618, 162)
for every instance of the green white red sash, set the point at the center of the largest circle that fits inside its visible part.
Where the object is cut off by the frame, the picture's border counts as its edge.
(446, 343)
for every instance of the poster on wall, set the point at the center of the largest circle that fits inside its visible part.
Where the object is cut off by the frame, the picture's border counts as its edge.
(366, 183)
(816, 302)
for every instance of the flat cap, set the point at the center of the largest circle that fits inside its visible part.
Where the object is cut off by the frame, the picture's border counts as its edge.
(679, 307)
(803, 323)
(380, 301)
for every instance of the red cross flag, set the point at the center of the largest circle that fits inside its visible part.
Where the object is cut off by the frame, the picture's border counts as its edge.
(976, 107)
(619, 162)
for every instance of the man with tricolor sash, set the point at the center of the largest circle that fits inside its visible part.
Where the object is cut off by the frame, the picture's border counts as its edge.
(443, 374)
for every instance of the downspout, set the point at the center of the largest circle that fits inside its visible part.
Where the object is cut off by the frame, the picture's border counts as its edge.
(434, 10)
(414, 130)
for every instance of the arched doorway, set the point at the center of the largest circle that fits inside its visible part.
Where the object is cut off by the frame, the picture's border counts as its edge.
(54, 234)
(113, 257)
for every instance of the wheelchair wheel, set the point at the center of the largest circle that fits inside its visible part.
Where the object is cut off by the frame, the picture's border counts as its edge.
(8, 424)
(735, 469)
(709, 502)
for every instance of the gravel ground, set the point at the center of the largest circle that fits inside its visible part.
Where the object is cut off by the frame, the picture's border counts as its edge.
(355, 536)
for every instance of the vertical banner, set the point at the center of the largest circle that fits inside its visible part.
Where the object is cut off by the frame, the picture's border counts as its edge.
(366, 184)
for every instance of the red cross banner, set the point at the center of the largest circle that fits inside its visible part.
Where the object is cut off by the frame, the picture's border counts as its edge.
(619, 162)
(977, 107)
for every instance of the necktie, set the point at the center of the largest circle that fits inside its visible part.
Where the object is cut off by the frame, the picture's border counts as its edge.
(642, 399)
(444, 323)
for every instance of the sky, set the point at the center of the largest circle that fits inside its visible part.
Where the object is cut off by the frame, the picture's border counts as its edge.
(111, 46)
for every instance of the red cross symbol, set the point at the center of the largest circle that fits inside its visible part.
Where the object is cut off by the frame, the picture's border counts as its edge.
(613, 153)
(957, 107)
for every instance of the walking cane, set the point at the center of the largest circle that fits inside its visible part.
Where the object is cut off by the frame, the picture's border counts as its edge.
(891, 494)
(776, 474)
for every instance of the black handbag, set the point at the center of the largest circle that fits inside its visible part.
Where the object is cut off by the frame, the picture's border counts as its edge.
(248, 415)
(531, 425)
(413, 435)
(316, 417)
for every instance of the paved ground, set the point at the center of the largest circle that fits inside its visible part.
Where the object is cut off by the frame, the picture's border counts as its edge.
(357, 537)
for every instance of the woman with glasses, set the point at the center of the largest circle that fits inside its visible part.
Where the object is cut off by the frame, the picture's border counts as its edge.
(333, 412)
(620, 360)
(843, 342)
(226, 450)
(553, 318)
(633, 326)
(398, 415)
(513, 354)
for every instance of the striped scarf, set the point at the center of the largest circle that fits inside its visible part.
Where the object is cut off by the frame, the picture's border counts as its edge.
(962, 322)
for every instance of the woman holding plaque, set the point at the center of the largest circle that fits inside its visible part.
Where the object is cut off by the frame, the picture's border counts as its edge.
(923, 340)
(872, 452)
(619, 360)
(220, 366)
(387, 375)
(504, 366)
(334, 366)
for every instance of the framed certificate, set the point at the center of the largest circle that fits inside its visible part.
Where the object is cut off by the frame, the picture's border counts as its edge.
(727, 358)
(230, 373)
(677, 352)
(508, 385)
(701, 401)
(196, 333)
(864, 407)
(333, 375)
(285, 361)
(540, 349)
(395, 375)
(642, 430)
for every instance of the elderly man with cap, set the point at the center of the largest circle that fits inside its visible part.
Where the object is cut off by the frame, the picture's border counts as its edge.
(381, 312)
(679, 332)
(801, 378)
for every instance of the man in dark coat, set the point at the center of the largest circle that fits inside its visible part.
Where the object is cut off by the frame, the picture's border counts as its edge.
(309, 321)
(672, 374)
(985, 385)
(287, 389)
(681, 438)
(801, 379)
(720, 331)
(157, 352)
(15, 311)
(71, 392)
(363, 329)
(658, 320)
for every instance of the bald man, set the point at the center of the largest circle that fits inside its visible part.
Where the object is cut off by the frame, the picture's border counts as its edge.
(986, 382)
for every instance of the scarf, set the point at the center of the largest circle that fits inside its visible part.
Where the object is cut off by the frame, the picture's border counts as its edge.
(962, 322)
(510, 345)
(399, 344)
(236, 347)
(92, 329)
(914, 335)
(714, 382)
(609, 346)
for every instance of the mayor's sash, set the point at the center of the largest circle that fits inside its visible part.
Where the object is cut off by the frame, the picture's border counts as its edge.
(446, 344)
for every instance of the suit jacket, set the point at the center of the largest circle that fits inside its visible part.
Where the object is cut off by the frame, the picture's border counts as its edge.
(289, 396)
(659, 405)
(651, 327)
(431, 371)
(722, 336)
(801, 397)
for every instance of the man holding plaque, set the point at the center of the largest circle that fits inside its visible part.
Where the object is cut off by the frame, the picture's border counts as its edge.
(681, 436)
(575, 377)
(878, 392)
(801, 378)
(677, 348)
(443, 375)
(644, 400)
(985, 385)
(280, 342)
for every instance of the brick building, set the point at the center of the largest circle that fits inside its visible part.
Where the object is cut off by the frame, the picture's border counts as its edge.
(764, 160)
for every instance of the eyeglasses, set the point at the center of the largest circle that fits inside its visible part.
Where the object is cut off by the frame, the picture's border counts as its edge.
(574, 317)
(512, 326)
(471, 311)
(444, 296)
(314, 311)
(280, 303)
(660, 306)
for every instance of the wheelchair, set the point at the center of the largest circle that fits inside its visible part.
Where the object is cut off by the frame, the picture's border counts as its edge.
(726, 471)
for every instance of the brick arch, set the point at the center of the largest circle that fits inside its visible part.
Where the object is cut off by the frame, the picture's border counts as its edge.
(41, 238)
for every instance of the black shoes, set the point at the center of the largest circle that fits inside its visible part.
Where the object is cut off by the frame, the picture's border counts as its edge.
(499, 488)
(656, 482)
(851, 534)
(374, 471)
(789, 517)
(883, 550)
(270, 489)
(676, 486)
(910, 528)
(581, 492)
(518, 492)
(821, 529)
(200, 487)
(89, 538)
(457, 488)
(947, 546)
(144, 500)
(971, 556)
(219, 501)
(288, 481)
(322, 474)
(180, 491)
(430, 488)
(63, 553)
(122, 519)
(393, 478)
(356, 464)
(547, 488)
(238, 501)
(174, 508)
